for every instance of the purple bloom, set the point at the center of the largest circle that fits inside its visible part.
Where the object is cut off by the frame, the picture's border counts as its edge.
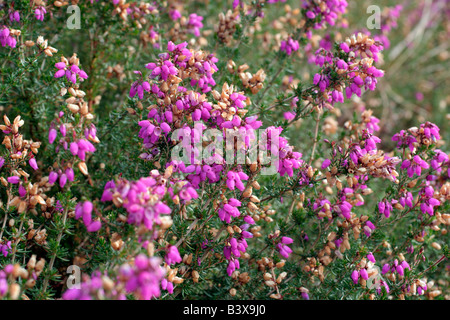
(414, 166)
(94, 226)
(14, 179)
(4, 248)
(22, 191)
(326, 163)
(172, 255)
(355, 276)
(52, 135)
(52, 177)
(39, 13)
(33, 164)
(286, 240)
(364, 274)
(289, 46)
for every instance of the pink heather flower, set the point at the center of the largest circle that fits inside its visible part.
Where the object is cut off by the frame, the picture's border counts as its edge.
(70, 174)
(326, 83)
(39, 13)
(407, 200)
(174, 14)
(6, 39)
(84, 210)
(386, 287)
(235, 180)
(167, 285)
(247, 234)
(368, 228)
(428, 204)
(370, 225)
(328, 11)
(62, 180)
(237, 3)
(14, 16)
(284, 250)
(403, 138)
(52, 135)
(142, 199)
(14, 179)
(74, 148)
(355, 276)
(2, 162)
(229, 210)
(310, 15)
(289, 46)
(172, 255)
(400, 270)
(385, 208)
(70, 72)
(286, 240)
(62, 129)
(87, 212)
(326, 163)
(414, 166)
(82, 74)
(52, 177)
(289, 115)
(421, 290)
(33, 164)
(22, 191)
(94, 226)
(431, 131)
(249, 220)
(231, 267)
(364, 274)
(372, 125)
(438, 159)
(405, 265)
(60, 73)
(370, 257)
(4, 249)
(344, 47)
(195, 24)
(60, 65)
(345, 209)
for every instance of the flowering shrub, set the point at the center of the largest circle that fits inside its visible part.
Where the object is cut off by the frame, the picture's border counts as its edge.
(277, 150)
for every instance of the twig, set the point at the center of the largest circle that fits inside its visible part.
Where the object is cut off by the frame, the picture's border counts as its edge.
(52, 261)
(316, 133)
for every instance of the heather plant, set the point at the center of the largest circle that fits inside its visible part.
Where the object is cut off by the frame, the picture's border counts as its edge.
(240, 150)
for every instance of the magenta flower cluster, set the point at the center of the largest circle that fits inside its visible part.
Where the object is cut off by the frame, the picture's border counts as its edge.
(396, 267)
(354, 75)
(6, 39)
(289, 46)
(84, 210)
(70, 71)
(324, 12)
(92, 288)
(39, 13)
(14, 16)
(236, 246)
(142, 200)
(144, 277)
(4, 248)
(283, 248)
